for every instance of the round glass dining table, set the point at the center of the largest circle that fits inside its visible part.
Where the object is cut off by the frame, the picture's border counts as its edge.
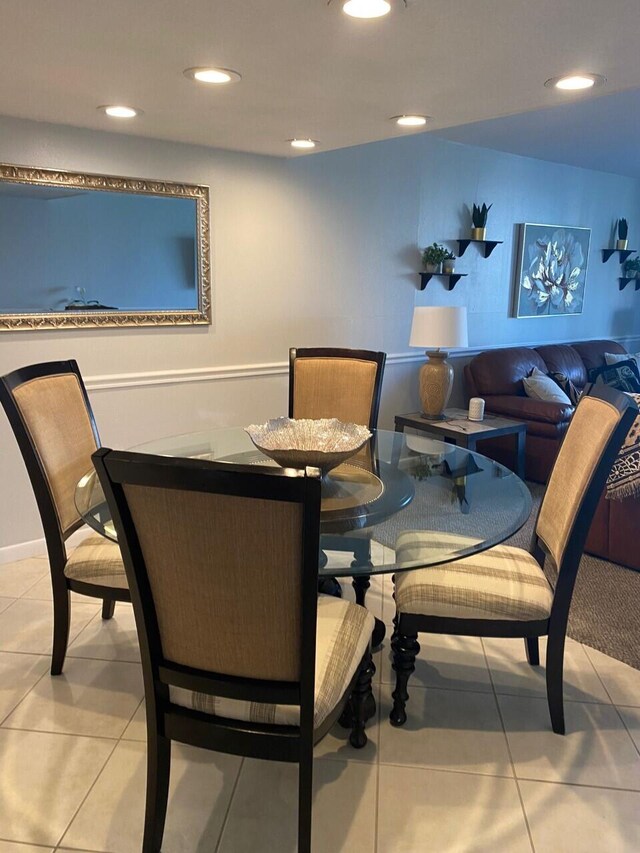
(458, 502)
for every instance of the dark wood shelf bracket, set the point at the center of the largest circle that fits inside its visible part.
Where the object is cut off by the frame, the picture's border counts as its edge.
(488, 246)
(452, 278)
(623, 281)
(624, 254)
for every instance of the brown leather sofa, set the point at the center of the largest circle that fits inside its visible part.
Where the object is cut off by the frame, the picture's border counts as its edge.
(497, 376)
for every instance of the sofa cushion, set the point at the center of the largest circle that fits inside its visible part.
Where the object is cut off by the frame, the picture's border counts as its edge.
(502, 371)
(592, 352)
(539, 386)
(565, 359)
(622, 376)
(617, 357)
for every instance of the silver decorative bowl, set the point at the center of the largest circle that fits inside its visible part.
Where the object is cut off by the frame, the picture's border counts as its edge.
(323, 443)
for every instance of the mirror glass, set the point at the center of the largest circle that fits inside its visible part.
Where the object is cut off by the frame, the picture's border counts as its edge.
(72, 255)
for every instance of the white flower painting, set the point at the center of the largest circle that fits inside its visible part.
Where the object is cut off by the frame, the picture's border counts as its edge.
(552, 270)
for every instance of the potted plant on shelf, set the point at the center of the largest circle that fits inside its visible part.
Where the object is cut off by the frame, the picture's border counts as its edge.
(623, 230)
(632, 268)
(449, 263)
(479, 221)
(432, 258)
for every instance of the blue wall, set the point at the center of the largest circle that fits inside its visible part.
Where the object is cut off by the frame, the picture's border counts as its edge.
(368, 210)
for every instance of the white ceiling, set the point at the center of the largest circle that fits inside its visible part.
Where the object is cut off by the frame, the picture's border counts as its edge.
(308, 70)
(597, 133)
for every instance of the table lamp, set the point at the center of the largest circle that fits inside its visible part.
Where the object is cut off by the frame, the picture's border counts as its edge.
(437, 327)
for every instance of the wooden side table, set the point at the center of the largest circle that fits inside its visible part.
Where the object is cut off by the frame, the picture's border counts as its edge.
(457, 429)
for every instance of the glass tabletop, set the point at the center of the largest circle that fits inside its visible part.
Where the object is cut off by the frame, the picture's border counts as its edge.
(416, 501)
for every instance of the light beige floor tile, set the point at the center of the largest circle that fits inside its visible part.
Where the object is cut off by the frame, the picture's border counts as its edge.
(263, 813)
(17, 578)
(621, 680)
(27, 626)
(44, 779)
(596, 750)
(42, 591)
(428, 810)
(446, 729)
(512, 674)
(17, 847)
(631, 717)
(137, 728)
(6, 602)
(109, 639)
(456, 663)
(18, 674)
(566, 819)
(111, 818)
(95, 698)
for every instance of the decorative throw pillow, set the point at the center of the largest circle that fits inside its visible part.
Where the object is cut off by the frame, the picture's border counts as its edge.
(539, 386)
(568, 387)
(623, 376)
(617, 357)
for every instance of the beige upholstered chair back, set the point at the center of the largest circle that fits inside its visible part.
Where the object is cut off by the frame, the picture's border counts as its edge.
(225, 574)
(340, 388)
(56, 416)
(585, 442)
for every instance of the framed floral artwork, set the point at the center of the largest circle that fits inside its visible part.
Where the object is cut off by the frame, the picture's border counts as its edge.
(552, 270)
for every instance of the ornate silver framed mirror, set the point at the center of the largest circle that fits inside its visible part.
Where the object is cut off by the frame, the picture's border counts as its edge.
(80, 250)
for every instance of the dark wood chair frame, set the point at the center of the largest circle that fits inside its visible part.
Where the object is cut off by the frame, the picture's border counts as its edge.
(404, 642)
(360, 547)
(167, 721)
(54, 537)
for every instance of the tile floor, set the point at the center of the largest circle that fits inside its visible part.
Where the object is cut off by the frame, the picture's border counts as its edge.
(476, 768)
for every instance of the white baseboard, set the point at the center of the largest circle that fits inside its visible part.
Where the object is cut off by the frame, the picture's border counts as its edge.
(37, 547)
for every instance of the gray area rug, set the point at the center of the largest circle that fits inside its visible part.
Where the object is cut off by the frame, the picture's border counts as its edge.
(605, 610)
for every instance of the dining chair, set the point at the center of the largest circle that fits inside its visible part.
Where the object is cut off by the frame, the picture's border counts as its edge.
(239, 653)
(50, 414)
(328, 382)
(503, 592)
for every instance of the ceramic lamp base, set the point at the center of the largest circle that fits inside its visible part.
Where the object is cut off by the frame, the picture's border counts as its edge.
(436, 383)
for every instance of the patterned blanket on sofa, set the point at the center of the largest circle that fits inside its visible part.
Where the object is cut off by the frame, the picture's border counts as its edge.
(624, 479)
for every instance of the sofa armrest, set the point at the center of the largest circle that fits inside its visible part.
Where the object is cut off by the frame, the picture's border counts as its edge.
(528, 409)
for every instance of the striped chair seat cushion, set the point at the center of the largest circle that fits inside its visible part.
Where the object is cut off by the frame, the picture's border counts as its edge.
(343, 633)
(501, 583)
(97, 560)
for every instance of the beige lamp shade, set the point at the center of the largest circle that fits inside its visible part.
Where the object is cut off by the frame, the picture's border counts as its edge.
(439, 327)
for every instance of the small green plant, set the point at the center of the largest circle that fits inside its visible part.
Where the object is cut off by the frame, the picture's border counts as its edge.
(479, 215)
(449, 256)
(435, 254)
(632, 267)
(623, 229)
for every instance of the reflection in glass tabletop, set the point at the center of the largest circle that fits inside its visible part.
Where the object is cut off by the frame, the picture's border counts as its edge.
(451, 501)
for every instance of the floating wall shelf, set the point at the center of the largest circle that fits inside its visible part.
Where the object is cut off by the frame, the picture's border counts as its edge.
(452, 278)
(489, 246)
(623, 281)
(624, 254)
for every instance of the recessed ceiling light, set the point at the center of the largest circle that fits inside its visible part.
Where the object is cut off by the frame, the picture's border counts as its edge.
(366, 8)
(410, 120)
(217, 76)
(116, 111)
(576, 82)
(303, 143)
